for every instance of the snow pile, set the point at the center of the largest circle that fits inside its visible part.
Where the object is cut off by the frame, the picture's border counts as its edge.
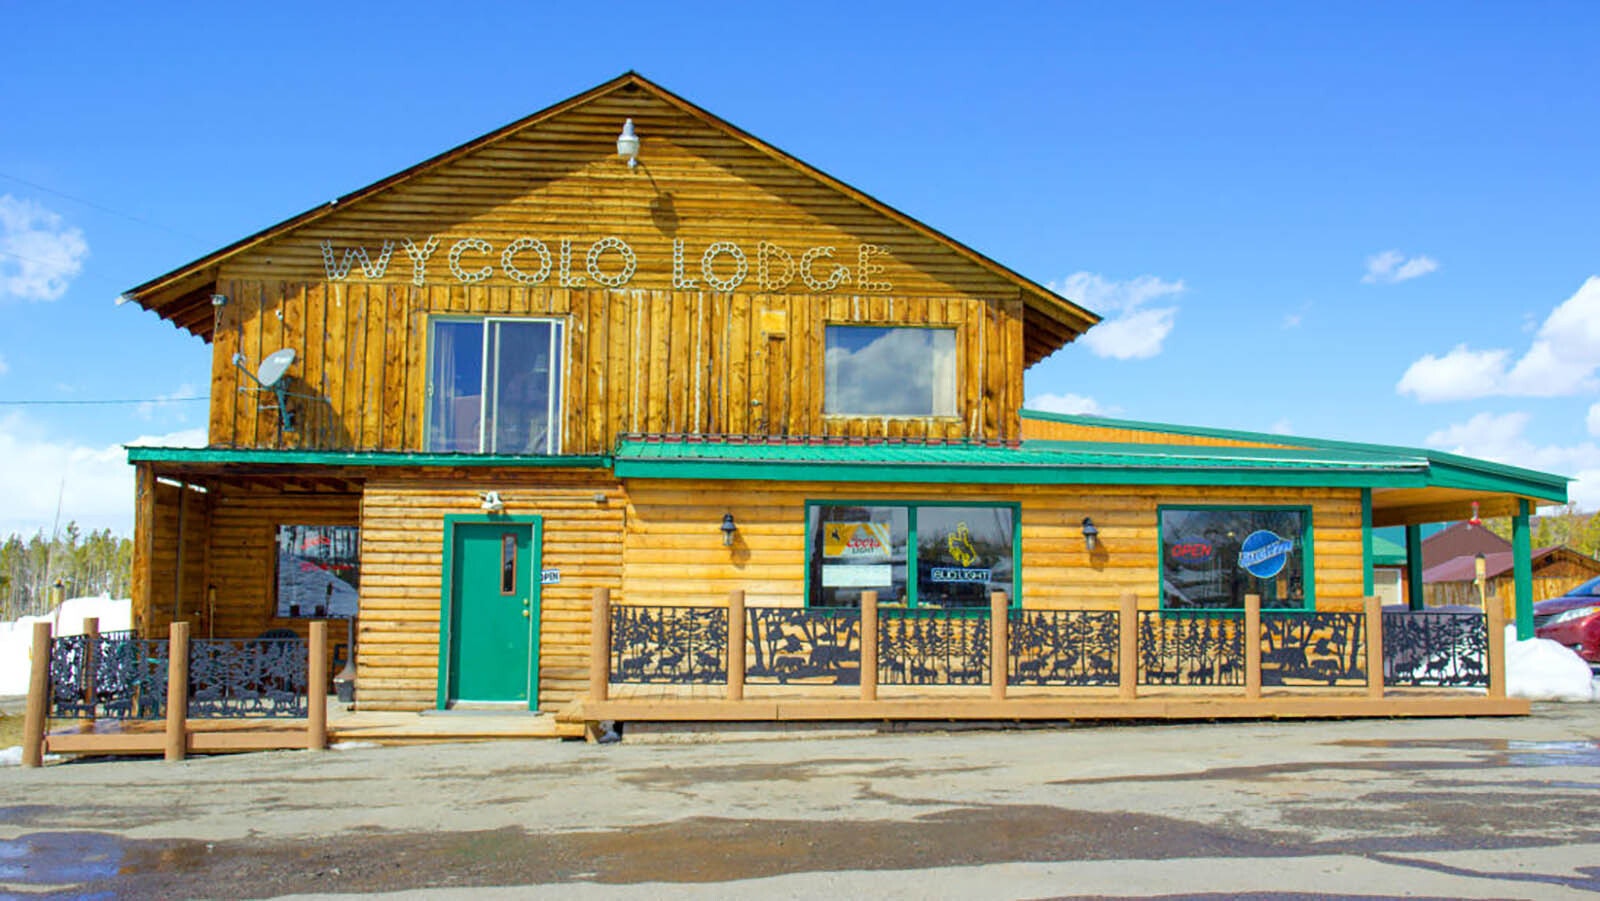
(12, 756)
(16, 638)
(1543, 670)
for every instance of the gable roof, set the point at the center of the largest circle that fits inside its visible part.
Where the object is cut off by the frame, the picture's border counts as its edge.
(183, 296)
(1499, 563)
(1461, 539)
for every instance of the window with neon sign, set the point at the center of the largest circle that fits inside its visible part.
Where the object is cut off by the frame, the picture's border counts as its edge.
(1212, 557)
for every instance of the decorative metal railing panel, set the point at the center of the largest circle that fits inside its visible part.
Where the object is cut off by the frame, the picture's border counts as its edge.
(1201, 649)
(814, 645)
(1313, 649)
(130, 677)
(1435, 649)
(933, 647)
(1063, 647)
(681, 645)
(247, 678)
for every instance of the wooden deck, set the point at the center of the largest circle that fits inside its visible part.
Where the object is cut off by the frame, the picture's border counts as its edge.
(800, 703)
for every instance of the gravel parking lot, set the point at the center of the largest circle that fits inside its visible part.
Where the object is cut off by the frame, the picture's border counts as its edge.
(1473, 808)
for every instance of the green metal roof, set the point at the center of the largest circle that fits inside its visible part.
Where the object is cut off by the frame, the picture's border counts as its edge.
(143, 454)
(1035, 462)
(1444, 470)
(1386, 552)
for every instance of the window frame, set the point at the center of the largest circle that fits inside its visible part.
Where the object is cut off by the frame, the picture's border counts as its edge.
(910, 505)
(1308, 571)
(555, 406)
(957, 366)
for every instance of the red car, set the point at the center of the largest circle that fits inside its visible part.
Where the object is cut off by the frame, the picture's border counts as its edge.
(1572, 619)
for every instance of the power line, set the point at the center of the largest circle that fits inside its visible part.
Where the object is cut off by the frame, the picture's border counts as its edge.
(72, 403)
(102, 208)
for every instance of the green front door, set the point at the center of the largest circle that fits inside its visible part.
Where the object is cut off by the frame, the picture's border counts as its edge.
(493, 611)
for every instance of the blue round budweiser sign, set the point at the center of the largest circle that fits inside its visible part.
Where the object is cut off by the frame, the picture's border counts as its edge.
(1264, 554)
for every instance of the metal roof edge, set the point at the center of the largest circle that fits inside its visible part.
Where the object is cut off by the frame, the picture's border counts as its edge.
(140, 453)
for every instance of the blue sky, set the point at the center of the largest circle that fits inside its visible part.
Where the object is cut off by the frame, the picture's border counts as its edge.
(1361, 221)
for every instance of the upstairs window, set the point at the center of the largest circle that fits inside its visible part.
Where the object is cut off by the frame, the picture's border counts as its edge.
(494, 386)
(889, 371)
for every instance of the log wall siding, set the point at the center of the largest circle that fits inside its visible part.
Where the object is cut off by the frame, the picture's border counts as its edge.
(1052, 430)
(153, 611)
(560, 178)
(635, 361)
(675, 555)
(402, 558)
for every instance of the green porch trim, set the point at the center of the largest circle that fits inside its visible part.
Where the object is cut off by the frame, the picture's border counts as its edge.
(143, 454)
(1415, 598)
(1522, 571)
(447, 596)
(1366, 543)
(1445, 470)
(1035, 463)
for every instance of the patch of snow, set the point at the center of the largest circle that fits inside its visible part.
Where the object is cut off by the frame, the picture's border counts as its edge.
(1543, 670)
(353, 745)
(16, 638)
(11, 756)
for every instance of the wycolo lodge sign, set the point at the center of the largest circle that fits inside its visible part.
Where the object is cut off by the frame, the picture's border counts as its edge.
(610, 262)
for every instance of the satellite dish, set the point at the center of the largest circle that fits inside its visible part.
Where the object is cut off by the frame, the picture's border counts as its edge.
(274, 366)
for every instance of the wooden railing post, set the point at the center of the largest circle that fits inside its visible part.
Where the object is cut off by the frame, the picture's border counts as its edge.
(33, 718)
(317, 687)
(600, 644)
(736, 625)
(91, 640)
(1373, 607)
(178, 691)
(1128, 647)
(999, 644)
(1495, 622)
(869, 645)
(1252, 646)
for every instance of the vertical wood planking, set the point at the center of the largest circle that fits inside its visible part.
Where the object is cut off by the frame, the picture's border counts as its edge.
(313, 374)
(334, 347)
(224, 377)
(244, 419)
(393, 426)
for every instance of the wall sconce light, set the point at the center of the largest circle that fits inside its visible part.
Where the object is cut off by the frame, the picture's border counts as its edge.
(491, 502)
(628, 144)
(728, 528)
(1091, 535)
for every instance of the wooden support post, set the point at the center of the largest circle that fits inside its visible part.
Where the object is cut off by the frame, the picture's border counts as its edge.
(33, 718)
(142, 585)
(1128, 647)
(91, 641)
(178, 691)
(869, 645)
(1373, 606)
(1252, 646)
(999, 643)
(1495, 622)
(736, 626)
(317, 686)
(600, 644)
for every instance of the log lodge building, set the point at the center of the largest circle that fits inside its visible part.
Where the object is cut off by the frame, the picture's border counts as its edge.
(620, 412)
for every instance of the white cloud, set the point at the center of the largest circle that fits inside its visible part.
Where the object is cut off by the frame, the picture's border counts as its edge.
(1594, 420)
(94, 484)
(1281, 427)
(1499, 437)
(39, 256)
(1066, 403)
(1130, 331)
(1392, 266)
(1561, 360)
(147, 410)
(4, 367)
(1293, 320)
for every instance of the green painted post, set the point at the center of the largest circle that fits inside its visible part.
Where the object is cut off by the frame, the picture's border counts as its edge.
(1414, 596)
(1366, 542)
(1522, 570)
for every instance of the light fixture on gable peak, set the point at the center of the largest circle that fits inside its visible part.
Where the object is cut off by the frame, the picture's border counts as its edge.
(628, 144)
